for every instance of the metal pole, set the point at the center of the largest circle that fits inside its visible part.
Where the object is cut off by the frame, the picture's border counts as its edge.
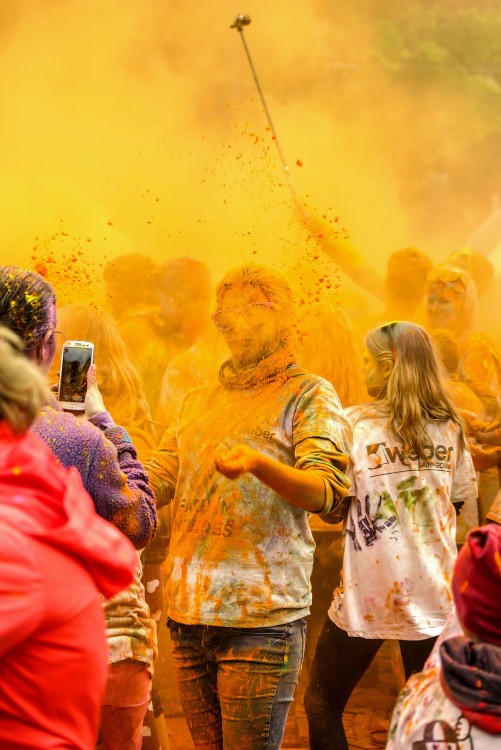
(238, 24)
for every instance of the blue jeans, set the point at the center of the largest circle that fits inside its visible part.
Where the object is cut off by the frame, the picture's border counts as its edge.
(236, 684)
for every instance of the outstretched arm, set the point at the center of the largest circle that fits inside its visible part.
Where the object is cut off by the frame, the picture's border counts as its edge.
(307, 488)
(338, 247)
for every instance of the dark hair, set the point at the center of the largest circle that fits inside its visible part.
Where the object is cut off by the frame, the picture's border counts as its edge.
(25, 301)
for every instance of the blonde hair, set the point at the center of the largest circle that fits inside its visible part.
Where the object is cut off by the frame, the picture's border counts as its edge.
(328, 348)
(23, 389)
(117, 378)
(415, 393)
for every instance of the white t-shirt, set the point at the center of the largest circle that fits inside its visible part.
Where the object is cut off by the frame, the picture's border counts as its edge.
(400, 532)
(424, 719)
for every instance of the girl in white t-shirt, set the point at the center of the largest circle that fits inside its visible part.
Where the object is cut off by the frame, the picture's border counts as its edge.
(409, 467)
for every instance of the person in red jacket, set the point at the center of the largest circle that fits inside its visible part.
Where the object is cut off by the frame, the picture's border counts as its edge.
(57, 556)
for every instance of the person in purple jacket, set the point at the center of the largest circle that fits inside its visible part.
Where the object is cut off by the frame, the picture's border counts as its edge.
(100, 450)
(103, 454)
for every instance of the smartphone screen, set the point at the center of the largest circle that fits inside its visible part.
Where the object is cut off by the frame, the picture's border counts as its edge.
(76, 358)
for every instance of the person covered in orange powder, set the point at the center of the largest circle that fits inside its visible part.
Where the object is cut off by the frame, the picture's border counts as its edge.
(185, 295)
(169, 313)
(247, 460)
(164, 324)
(400, 289)
(131, 295)
(467, 403)
(451, 303)
(447, 347)
(57, 556)
(128, 286)
(404, 285)
(339, 362)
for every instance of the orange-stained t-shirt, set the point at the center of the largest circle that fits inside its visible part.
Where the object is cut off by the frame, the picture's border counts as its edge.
(240, 555)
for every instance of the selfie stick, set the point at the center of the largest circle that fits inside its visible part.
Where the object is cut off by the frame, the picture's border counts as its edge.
(240, 21)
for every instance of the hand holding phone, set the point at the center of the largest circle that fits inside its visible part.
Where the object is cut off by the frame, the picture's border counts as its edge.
(76, 358)
(94, 403)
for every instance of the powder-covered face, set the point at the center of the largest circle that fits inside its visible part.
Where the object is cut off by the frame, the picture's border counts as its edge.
(375, 374)
(169, 310)
(444, 304)
(256, 326)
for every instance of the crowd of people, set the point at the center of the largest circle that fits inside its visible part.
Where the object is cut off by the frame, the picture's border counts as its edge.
(271, 493)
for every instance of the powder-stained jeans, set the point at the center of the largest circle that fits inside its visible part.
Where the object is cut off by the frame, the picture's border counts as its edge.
(236, 684)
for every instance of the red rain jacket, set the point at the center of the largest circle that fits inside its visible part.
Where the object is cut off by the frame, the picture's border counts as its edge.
(56, 555)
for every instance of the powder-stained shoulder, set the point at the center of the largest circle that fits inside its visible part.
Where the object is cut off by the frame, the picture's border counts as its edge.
(110, 471)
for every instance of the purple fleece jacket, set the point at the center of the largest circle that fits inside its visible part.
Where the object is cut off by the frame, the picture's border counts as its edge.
(107, 462)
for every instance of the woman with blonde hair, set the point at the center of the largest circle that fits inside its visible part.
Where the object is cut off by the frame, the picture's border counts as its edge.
(247, 460)
(117, 377)
(408, 467)
(53, 653)
(127, 617)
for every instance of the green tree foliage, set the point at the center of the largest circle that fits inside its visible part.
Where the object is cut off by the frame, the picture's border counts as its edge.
(446, 55)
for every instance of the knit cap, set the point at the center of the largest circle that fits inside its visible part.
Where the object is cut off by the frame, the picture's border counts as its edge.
(476, 584)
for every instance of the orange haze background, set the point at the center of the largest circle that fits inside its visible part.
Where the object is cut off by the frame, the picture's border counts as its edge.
(137, 127)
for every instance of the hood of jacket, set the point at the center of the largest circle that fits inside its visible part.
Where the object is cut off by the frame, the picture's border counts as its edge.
(471, 678)
(44, 500)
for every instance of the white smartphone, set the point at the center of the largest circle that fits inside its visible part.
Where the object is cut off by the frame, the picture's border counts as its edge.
(76, 358)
